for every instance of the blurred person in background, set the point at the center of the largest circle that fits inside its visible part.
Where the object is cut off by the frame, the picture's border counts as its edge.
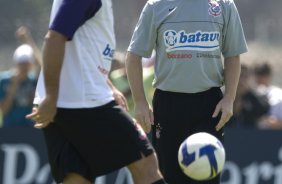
(263, 78)
(249, 105)
(24, 36)
(17, 85)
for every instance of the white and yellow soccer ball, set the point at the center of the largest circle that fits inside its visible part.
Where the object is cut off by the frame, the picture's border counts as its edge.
(201, 156)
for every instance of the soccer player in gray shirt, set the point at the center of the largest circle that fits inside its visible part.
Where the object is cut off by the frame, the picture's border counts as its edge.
(190, 38)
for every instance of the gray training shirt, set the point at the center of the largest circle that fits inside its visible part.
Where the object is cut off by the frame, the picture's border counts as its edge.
(189, 36)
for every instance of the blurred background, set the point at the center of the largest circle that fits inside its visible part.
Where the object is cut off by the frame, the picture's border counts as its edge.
(262, 22)
(253, 136)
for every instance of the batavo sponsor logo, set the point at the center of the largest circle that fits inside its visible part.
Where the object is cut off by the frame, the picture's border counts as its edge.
(108, 51)
(179, 56)
(199, 40)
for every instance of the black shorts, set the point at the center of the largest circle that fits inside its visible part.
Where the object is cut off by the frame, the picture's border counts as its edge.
(94, 141)
(176, 116)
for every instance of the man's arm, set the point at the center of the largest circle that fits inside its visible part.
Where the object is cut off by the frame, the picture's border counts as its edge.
(135, 77)
(53, 55)
(143, 112)
(232, 68)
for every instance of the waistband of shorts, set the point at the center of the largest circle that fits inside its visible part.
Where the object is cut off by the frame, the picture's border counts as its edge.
(107, 105)
(202, 93)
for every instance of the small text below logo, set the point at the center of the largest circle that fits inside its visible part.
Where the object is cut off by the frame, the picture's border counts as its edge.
(103, 70)
(206, 55)
(179, 56)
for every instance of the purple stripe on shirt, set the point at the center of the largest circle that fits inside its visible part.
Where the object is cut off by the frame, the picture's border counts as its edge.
(72, 14)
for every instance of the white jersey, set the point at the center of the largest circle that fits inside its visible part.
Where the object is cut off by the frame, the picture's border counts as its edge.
(88, 53)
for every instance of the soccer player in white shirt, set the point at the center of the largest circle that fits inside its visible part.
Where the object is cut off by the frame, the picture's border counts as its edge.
(86, 132)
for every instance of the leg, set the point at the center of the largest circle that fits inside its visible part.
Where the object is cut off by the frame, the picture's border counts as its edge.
(169, 131)
(116, 141)
(67, 164)
(145, 171)
(177, 116)
(73, 178)
(167, 145)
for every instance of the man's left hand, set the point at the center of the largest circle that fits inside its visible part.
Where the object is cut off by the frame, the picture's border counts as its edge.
(225, 106)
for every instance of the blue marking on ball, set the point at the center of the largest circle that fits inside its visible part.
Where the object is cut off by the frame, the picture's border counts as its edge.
(208, 151)
(187, 158)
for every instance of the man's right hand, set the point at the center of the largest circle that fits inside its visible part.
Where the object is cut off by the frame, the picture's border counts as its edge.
(44, 114)
(144, 115)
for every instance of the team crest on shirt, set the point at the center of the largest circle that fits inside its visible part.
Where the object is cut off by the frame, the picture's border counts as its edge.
(214, 8)
(170, 37)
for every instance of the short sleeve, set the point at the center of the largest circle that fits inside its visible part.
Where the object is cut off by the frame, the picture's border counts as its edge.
(144, 36)
(234, 42)
(72, 14)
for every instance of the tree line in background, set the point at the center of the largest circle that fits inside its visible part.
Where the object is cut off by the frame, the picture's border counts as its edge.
(262, 21)
(14, 13)
(255, 14)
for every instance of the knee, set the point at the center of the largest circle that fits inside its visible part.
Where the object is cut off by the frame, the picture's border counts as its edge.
(74, 178)
(147, 167)
(151, 163)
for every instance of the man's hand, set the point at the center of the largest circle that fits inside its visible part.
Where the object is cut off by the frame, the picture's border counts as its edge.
(118, 96)
(23, 34)
(120, 99)
(232, 70)
(144, 116)
(44, 114)
(143, 112)
(225, 106)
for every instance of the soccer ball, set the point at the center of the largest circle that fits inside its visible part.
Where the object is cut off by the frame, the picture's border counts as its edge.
(201, 156)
